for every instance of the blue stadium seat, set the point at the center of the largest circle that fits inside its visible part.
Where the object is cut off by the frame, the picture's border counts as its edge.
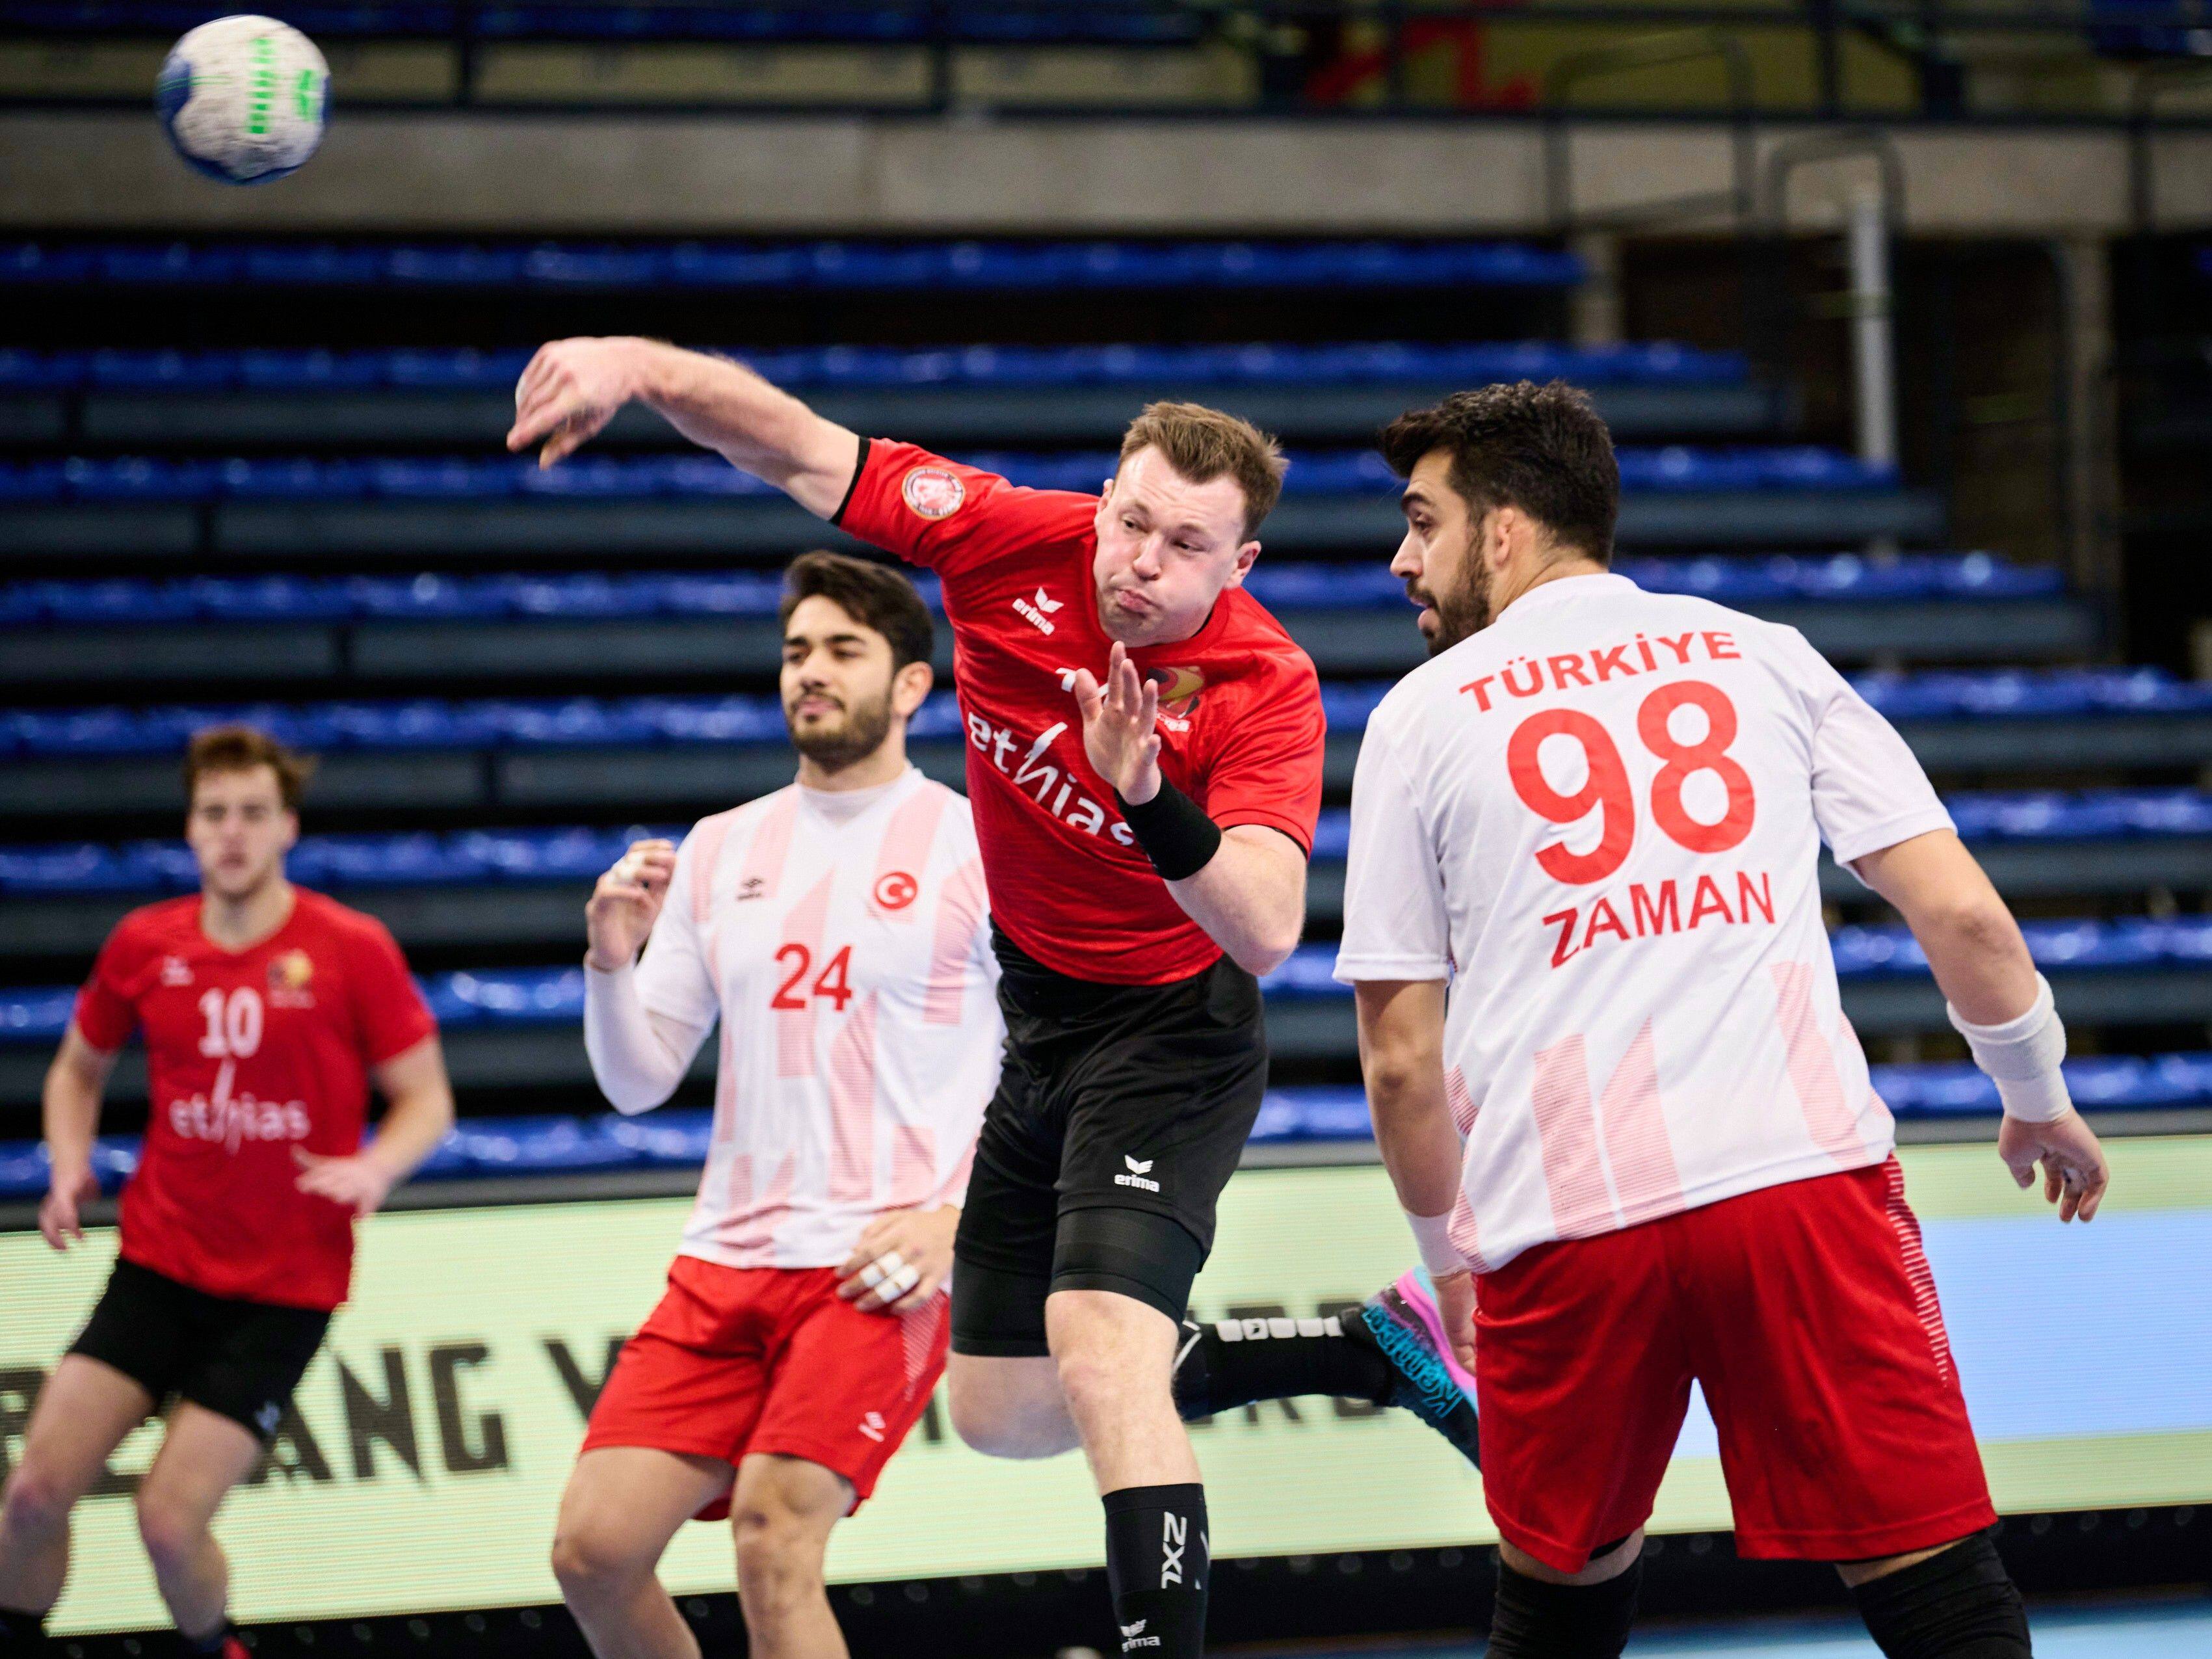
(834, 265)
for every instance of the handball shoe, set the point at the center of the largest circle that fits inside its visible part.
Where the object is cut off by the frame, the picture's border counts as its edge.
(1401, 1320)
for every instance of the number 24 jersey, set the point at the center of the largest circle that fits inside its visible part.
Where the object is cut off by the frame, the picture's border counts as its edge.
(1601, 819)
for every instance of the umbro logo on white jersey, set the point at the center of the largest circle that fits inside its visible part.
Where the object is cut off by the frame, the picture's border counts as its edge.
(1139, 1169)
(1133, 1636)
(1038, 615)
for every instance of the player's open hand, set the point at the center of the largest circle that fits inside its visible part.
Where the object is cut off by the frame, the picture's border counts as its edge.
(902, 1260)
(626, 903)
(1120, 726)
(570, 391)
(359, 1183)
(2075, 1173)
(1455, 1307)
(59, 1212)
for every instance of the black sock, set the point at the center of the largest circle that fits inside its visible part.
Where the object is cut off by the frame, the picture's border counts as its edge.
(1534, 1620)
(1238, 1362)
(213, 1641)
(21, 1631)
(1156, 1566)
(1961, 1604)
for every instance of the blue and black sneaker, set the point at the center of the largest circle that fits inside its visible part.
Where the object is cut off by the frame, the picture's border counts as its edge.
(1401, 1321)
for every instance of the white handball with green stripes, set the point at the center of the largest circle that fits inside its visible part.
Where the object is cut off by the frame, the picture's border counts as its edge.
(243, 98)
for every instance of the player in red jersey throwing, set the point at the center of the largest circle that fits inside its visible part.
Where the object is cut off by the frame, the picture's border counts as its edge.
(267, 1011)
(1610, 1070)
(1145, 747)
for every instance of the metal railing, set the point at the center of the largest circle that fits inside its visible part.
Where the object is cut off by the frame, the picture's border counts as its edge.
(1332, 57)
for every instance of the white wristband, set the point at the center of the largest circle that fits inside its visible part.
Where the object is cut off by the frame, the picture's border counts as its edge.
(2022, 1056)
(1432, 1237)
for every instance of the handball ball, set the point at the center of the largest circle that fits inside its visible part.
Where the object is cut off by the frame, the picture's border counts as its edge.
(242, 98)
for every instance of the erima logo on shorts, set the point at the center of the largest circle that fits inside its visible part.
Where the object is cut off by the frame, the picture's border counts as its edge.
(1039, 615)
(1136, 1175)
(1133, 1636)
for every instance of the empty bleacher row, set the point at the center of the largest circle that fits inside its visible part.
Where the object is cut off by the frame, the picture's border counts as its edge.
(301, 512)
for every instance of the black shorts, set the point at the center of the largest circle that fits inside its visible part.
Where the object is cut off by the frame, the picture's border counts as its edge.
(1121, 1113)
(239, 1359)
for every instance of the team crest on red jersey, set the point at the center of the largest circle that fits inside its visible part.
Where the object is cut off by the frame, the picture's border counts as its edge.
(1179, 688)
(289, 976)
(933, 493)
(895, 890)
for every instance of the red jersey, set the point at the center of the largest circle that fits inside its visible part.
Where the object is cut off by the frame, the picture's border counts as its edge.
(249, 1054)
(1241, 725)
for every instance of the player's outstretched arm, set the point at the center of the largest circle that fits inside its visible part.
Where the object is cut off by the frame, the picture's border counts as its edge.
(573, 388)
(2002, 1007)
(69, 1111)
(1401, 1059)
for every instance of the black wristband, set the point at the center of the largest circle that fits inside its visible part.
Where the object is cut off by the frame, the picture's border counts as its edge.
(1175, 832)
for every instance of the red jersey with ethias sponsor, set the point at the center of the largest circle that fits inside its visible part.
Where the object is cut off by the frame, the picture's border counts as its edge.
(1605, 811)
(249, 1055)
(1241, 725)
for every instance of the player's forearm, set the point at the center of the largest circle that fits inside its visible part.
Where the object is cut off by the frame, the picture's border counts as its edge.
(1973, 946)
(636, 1064)
(69, 1102)
(1401, 1060)
(414, 1122)
(1250, 897)
(724, 406)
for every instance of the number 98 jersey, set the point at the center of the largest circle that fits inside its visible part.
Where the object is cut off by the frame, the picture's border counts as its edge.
(1600, 818)
(843, 943)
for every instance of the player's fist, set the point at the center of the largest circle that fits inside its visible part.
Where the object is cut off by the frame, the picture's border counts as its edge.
(902, 1260)
(1119, 719)
(571, 389)
(69, 1191)
(2075, 1173)
(626, 903)
(358, 1183)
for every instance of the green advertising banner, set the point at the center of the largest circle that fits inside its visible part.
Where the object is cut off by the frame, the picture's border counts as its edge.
(422, 1465)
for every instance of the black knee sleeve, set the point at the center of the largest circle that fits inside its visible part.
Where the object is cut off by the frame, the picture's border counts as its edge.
(1536, 1621)
(1959, 1605)
(1132, 1253)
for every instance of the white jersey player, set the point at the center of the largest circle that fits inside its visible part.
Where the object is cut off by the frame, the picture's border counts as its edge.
(1638, 1114)
(837, 930)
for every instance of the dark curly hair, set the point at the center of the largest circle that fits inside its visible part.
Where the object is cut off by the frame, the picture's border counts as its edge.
(872, 594)
(1541, 448)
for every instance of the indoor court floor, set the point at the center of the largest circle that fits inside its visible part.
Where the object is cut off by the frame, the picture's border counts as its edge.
(2129, 1629)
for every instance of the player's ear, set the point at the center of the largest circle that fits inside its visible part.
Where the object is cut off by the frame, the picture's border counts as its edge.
(291, 831)
(911, 687)
(1245, 556)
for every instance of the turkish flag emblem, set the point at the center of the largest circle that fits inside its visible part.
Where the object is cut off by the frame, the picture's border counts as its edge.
(895, 890)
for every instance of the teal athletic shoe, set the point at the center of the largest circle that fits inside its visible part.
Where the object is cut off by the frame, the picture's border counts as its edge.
(1401, 1320)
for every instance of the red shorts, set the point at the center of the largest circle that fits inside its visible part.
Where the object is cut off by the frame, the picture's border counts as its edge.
(1808, 1314)
(738, 1360)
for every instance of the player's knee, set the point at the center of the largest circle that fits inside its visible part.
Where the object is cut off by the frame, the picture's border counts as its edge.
(34, 1501)
(779, 1556)
(173, 1536)
(1007, 1407)
(589, 1558)
(1539, 1619)
(1959, 1604)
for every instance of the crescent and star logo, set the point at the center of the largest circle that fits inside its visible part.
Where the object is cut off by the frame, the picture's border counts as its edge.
(895, 890)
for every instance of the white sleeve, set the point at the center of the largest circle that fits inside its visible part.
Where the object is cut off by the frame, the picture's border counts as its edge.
(643, 1023)
(637, 1057)
(1395, 922)
(1869, 789)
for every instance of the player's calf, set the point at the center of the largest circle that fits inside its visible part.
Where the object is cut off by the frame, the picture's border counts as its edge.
(781, 1514)
(1960, 1603)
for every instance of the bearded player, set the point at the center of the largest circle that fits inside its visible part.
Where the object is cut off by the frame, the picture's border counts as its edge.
(1610, 1070)
(268, 1012)
(1145, 748)
(837, 930)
